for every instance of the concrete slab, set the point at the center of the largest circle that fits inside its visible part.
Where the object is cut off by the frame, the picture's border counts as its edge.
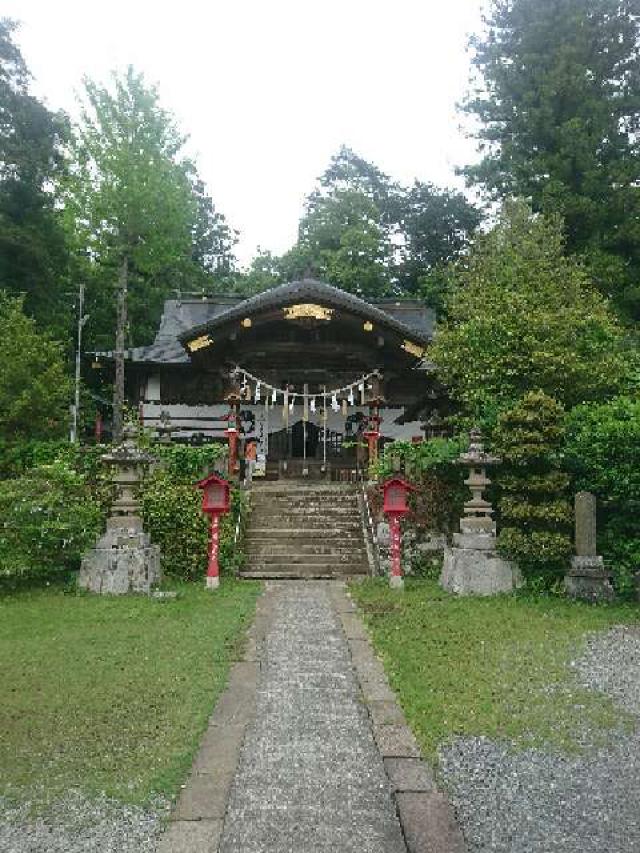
(396, 741)
(386, 713)
(353, 627)
(409, 774)
(429, 824)
(205, 796)
(188, 836)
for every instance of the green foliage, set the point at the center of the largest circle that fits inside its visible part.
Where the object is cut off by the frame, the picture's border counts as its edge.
(49, 518)
(557, 103)
(187, 464)
(603, 453)
(373, 237)
(173, 517)
(421, 457)
(342, 240)
(496, 667)
(131, 197)
(34, 389)
(524, 317)
(437, 502)
(33, 252)
(174, 520)
(534, 507)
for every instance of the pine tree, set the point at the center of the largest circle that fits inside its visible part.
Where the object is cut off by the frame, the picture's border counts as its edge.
(558, 102)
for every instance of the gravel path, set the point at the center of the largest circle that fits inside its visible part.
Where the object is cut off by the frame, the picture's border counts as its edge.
(538, 802)
(78, 825)
(310, 778)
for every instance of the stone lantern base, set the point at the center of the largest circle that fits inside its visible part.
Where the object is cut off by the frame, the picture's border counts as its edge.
(472, 567)
(123, 560)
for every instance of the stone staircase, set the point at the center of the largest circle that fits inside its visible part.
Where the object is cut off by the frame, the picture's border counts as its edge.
(305, 530)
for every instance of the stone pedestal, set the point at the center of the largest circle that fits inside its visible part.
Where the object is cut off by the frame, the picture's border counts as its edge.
(123, 560)
(472, 566)
(588, 580)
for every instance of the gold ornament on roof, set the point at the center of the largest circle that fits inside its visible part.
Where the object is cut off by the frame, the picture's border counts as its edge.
(199, 343)
(413, 349)
(307, 310)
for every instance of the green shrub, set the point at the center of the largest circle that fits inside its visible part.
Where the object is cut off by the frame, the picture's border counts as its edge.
(49, 518)
(535, 510)
(437, 502)
(603, 454)
(188, 464)
(171, 509)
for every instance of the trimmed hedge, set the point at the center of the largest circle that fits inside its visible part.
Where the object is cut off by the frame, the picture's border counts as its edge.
(534, 504)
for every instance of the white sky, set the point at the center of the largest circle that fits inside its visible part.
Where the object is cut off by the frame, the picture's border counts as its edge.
(269, 89)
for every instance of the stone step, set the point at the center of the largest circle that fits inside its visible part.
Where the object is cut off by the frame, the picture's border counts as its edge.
(306, 506)
(307, 559)
(291, 488)
(310, 572)
(298, 533)
(260, 547)
(331, 526)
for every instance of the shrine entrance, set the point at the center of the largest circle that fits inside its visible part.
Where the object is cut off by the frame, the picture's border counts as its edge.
(305, 440)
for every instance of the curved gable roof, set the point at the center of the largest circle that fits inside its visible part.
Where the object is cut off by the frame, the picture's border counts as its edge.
(306, 289)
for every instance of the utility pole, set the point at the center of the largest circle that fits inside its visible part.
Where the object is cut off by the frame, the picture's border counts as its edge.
(121, 327)
(82, 319)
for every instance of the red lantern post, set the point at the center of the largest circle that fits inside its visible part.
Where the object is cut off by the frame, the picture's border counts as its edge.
(233, 432)
(372, 432)
(395, 506)
(216, 501)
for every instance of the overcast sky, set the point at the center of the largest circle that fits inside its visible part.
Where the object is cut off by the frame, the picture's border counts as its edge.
(269, 89)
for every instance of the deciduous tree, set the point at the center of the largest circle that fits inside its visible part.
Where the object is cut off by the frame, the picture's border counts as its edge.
(525, 317)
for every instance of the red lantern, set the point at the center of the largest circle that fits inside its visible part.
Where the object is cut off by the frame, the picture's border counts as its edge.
(216, 501)
(396, 491)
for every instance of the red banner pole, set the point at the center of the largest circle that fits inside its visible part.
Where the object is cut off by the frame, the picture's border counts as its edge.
(213, 571)
(395, 580)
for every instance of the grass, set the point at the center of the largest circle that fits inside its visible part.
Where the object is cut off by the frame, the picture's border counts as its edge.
(498, 667)
(111, 694)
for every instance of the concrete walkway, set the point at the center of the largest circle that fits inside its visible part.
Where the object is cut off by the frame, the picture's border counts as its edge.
(310, 776)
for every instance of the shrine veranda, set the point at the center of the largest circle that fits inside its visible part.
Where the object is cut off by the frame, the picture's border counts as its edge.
(308, 371)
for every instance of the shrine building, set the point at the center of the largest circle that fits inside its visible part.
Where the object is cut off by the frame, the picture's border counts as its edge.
(312, 373)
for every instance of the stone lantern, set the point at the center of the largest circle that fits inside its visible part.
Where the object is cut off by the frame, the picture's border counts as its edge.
(478, 512)
(472, 566)
(123, 559)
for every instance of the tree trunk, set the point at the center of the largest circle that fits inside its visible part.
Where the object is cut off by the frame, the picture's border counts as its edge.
(121, 328)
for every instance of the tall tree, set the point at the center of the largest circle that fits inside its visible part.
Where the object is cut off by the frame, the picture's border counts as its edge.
(35, 389)
(33, 254)
(525, 317)
(435, 227)
(141, 222)
(341, 238)
(372, 236)
(558, 103)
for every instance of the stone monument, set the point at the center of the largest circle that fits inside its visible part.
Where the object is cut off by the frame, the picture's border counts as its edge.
(123, 559)
(472, 566)
(587, 578)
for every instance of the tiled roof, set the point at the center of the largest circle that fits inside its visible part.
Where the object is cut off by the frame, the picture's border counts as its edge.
(184, 319)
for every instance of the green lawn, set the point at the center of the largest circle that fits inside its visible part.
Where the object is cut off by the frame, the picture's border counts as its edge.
(111, 693)
(495, 666)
